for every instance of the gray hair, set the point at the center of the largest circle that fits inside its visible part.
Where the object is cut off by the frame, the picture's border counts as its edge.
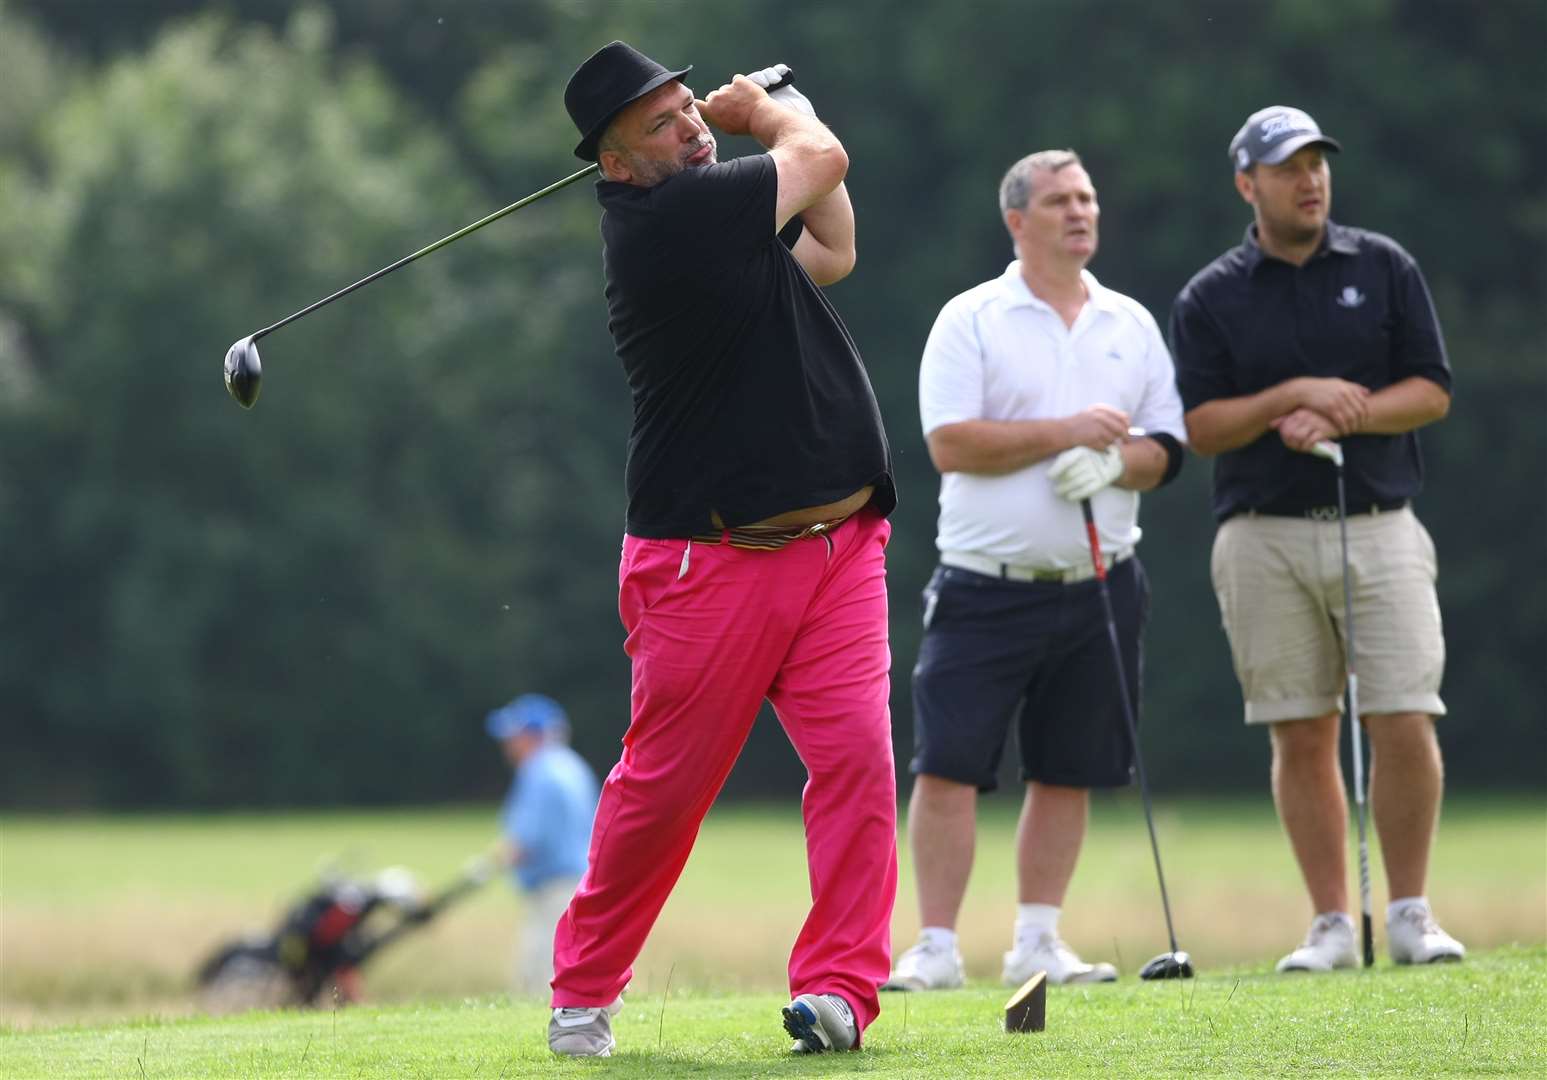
(1015, 188)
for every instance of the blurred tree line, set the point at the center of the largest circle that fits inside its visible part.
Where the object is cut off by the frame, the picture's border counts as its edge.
(317, 601)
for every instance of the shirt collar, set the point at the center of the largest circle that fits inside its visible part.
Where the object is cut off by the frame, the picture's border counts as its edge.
(1018, 294)
(1335, 239)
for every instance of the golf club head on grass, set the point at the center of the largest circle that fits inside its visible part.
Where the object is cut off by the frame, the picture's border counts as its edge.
(244, 372)
(1168, 965)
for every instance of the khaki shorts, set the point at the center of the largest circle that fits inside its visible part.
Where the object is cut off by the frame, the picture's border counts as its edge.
(1279, 582)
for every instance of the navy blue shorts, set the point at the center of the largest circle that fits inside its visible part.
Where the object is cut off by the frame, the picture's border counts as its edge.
(1038, 652)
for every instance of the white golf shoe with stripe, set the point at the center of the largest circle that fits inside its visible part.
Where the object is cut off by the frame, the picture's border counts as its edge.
(581, 1031)
(820, 1022)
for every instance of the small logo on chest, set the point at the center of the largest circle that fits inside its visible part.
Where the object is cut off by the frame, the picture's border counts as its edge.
(1350, 297)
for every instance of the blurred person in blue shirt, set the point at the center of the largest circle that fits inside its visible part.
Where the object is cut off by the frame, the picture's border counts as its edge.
(545, 824)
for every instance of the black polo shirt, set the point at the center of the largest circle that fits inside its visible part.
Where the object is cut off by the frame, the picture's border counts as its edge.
(1358, 309)
(750, 398)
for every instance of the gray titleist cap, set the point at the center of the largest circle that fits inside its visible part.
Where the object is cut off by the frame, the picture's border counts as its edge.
(1270, 135)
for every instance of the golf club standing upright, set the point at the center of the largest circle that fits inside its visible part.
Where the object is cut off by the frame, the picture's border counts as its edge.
(1174, 964)
(1334, 453)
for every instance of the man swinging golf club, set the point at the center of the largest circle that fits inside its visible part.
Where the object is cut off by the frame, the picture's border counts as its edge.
(1311, 331)
(759, 481)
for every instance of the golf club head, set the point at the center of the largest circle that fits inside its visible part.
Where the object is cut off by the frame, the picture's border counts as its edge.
(1169, 965)
(244, 372)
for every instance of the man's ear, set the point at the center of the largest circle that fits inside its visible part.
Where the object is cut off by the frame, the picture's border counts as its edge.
(614, 167)
(1247, 187)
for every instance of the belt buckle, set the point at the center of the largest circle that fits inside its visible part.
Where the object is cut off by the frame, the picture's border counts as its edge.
(1322, 513)
(1049, 577)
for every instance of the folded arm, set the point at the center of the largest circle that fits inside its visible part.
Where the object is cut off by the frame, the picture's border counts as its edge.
(811, 165)
(994, 447)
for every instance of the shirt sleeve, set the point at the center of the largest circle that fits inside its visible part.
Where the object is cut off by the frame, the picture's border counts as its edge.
(1419, 347)
(1161, 408)
(951, 372)
(789, 236)
(1203, 362)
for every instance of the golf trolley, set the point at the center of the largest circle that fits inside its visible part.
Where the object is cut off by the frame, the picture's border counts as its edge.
(315, 954)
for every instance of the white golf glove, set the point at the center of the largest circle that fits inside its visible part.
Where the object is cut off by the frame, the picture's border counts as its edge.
(786, 95)
(1080, 472)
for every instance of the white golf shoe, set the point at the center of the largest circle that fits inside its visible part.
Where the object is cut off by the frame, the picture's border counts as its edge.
(820, 1022)
(583, 1031)
(1413, 937)
(1329, 944)
(1050, 954)
(927, 966)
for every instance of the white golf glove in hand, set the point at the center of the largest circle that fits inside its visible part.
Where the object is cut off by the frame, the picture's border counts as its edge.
(787, 95)
(1080, 472)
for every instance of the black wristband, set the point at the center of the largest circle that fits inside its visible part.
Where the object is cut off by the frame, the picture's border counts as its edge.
(1174, 456)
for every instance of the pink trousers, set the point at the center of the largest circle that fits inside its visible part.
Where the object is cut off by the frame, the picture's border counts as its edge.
(712, 631)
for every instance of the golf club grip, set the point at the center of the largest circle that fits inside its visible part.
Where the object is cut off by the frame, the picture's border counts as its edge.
(1098, 564)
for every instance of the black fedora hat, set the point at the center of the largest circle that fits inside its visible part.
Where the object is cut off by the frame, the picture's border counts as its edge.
(611, 77)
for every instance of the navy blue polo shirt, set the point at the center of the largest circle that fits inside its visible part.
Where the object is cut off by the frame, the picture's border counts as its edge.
(1358, 310)
(750, 398)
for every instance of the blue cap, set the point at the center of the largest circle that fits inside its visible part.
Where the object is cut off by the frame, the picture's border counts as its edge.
(529, 712)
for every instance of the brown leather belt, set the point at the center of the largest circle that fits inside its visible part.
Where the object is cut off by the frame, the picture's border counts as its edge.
(768, 537)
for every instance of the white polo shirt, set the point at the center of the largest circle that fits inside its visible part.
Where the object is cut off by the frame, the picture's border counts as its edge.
(997, 352)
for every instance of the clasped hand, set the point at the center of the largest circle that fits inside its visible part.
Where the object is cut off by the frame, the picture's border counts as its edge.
(730, 108)
(1080, 472)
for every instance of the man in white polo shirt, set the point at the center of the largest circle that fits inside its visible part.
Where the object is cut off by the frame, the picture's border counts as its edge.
(1029, 387)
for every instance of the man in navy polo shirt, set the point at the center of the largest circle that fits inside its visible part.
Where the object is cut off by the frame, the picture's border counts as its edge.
(1312, 331)
(759, 481)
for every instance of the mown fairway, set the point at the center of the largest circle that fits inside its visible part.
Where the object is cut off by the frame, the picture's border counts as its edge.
(104, 918)
(1484, 1017)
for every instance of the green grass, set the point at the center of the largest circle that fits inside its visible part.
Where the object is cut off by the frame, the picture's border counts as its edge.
(1483, 1017)
(102, 920)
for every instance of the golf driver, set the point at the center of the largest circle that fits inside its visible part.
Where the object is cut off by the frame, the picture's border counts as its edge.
(244, 371)
(1174, 964)
(1333, 452)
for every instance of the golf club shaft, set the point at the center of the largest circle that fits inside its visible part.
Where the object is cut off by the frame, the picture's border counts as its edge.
(1355, 730)
(442, 242)
(1128, 713)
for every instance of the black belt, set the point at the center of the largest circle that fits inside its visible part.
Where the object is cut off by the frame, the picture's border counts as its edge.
(1325, 513)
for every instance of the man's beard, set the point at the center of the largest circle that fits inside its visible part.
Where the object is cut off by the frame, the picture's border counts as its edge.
(650, 172)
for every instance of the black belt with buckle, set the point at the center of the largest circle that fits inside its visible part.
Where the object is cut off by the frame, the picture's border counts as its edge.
(1330, 512)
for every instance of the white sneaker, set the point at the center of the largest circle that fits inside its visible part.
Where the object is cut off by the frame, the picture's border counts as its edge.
(819, 1022)
(1328, 944)
(1413, 937)
(1062, 964)
(582, 1031)
(927, 966)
